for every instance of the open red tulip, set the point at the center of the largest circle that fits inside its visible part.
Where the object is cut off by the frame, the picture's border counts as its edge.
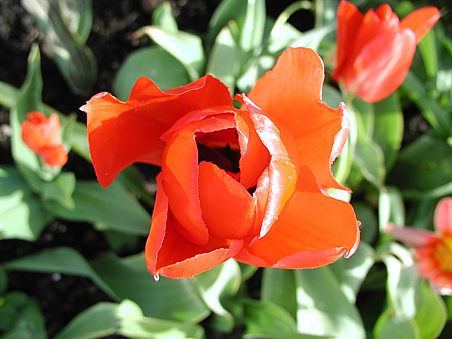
(42, 135)
(247, 183)
(433, 250)
(375, 50)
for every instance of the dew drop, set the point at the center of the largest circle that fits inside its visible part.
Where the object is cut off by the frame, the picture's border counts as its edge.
(156, 277)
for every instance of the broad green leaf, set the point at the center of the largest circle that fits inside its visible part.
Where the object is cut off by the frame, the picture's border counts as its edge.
(66, 25)
(325, 12)
(185, 47)
(20, 317)
(331, 96)
(431, 312)
(27, 100)
(388, 128)
(424, 165)
(350, 273)
(391, 208)
(111, 208)
(427, 48)
(166, 298)
(225, 11)
(313, 38)
(124, 319)
(62, 260)
(252, 31)
(369, 224)
(281, 37)
(247, 271)
(254, 71)
(432, 111)
(268, 319)
(162, 17)
(3, 280)
(133, 180)
(217, 284)
(155, 63)
(60, 189)
(389, 326)
(279, 287)
(401, 285)
(225, 58)
(323, 309)
(22, 214)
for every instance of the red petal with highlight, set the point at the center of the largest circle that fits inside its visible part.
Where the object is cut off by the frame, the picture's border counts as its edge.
(443, 216)
(290, 94)
(312, 230)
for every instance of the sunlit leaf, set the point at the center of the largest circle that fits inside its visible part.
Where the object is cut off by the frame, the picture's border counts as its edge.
(389, 326)
(279, 287)
(252, 31)
(323, 309)
(155, 63)
(431, 312)
(162, 16)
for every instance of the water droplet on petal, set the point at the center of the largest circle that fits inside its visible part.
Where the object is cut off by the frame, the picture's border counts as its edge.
(156, 277)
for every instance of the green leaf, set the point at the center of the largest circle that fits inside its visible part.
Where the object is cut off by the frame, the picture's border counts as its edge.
(368, 219)
(62, 260)
(388, 130)
(391, 208)
(225, 11)
(313, 38)
(325, 12)
(185, 47)
(437, 117)
(215, 285)
(111, 208)
(20, 317)
(431, 312)
(252, 31)
(155, 63)
(66, 25)
(60, 189)
(427, 48)
(23, 214)
(424, 165)
(389, 326)
(125, 319)
(279, 287)
(268, 319)
(225, 58)
(323, 309)
(401, 283)
(28, 99)
(162, 17)
(3, 280)
(167, 298)
(350, 273)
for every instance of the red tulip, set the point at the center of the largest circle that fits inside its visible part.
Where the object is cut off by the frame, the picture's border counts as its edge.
(246, 183)
(42, 135)
(375, 50)
(433, 250)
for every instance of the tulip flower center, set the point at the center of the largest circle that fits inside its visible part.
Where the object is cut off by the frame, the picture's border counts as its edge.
(443, 253)
(220, 148)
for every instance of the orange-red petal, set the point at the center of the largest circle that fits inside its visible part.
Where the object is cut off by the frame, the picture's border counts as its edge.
(312, 230)
(382, 65)
(171, 254)
(290, 94)
(55, 156)
(227, 207)
(121, 133)
(180, 174)
(421, 21)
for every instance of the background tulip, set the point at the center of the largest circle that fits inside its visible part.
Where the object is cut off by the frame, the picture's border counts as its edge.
(375, 50)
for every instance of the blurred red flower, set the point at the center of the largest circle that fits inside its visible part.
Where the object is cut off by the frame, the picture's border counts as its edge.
(375, 50)
(246, 183)
(42, 135)
(433, 250)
